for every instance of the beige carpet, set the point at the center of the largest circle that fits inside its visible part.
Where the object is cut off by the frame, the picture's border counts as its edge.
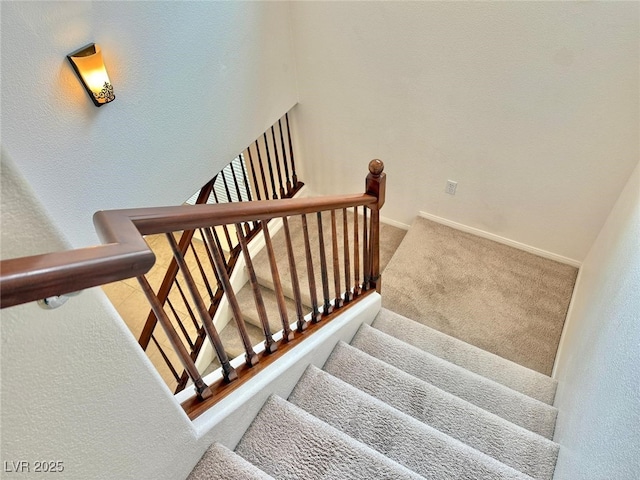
(498, 298)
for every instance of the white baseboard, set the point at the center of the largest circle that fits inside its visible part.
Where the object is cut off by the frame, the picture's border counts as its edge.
(503, 240)
(394, 223)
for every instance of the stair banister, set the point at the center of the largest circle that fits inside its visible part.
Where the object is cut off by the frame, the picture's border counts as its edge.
(126, 254)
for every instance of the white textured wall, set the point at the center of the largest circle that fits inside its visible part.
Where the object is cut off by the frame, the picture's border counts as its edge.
(598, 365)
(195, 83)
(531, 106)
(76, 388)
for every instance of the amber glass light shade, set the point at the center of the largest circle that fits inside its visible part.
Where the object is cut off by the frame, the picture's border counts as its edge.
(88, 65)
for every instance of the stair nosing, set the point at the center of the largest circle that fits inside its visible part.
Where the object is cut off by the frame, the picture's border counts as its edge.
(481, 414)
(475, 383)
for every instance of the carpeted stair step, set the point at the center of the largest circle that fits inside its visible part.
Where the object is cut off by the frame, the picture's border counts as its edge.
(508, 443)
(494, 397)
(220, 462)
(400, 437)
(289, 443)
(510, 374)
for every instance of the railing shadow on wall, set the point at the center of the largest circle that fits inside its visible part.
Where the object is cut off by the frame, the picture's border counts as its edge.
(354, 260)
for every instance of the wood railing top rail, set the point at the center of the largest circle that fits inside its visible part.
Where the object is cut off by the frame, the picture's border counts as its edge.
(126, 254)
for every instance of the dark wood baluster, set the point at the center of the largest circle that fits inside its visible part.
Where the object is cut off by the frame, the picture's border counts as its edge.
(376, 186)
(184, 331)
(347, 267)
(235, 182)
(247, 187)
(210, 256)
(302, 324)
(245, 178)
(264, 178)
(238, 193)
(284, 158)
(228, 371)
(250, 356)
(202, 389)
(326, 308)
(166, 359)
(226, 184)
(287, 333)
(253, 174)
(293, 164)
(373, 223)
(338, 302)
(209, 249)
(224, 227)
(273, 183)
(315, 315)
(218, 244)
(227, 236)
(356, 254)
(277, 157)
(231, 170)
(203, 274)
(186, 303)
(365, 250)
(269, 345)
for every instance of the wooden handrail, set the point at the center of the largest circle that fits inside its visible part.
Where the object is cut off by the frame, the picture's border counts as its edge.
(115, 224)
(125, 253)
(32, 278)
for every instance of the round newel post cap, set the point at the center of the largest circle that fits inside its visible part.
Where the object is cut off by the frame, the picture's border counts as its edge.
(376, 167)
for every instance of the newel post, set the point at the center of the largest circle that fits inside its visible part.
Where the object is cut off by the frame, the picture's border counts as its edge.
(375, 186)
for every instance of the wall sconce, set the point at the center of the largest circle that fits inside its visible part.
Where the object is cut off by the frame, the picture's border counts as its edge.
(88, 65)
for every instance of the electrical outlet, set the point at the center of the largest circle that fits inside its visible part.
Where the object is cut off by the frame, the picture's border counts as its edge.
(451, 187)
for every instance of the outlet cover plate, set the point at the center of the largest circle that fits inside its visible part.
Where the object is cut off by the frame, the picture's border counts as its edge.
(451, 187)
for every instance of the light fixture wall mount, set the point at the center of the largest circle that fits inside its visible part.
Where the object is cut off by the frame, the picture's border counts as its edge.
(88, 64)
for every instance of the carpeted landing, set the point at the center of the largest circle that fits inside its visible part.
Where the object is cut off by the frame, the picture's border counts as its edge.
(401, 401)
(501, 299)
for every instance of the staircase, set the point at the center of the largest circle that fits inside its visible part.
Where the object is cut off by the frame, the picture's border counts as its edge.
(401, 401)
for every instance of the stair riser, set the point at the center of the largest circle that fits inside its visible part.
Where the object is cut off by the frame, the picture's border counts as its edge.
(505, 372)
(392, 433)
(513, 406)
